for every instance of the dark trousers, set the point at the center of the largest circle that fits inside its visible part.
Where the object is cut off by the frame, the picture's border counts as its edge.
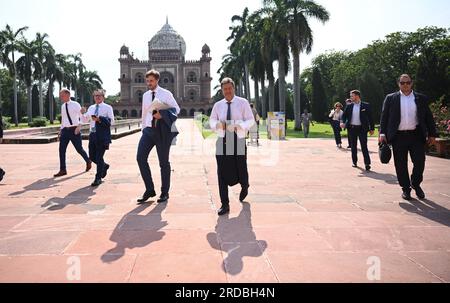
(337, 131)
(231, 157)
(413, 144)
(146, 144)
(68, 135)
(354, 133)
(96, 154)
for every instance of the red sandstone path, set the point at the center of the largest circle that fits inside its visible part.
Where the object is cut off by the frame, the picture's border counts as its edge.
(309, 217)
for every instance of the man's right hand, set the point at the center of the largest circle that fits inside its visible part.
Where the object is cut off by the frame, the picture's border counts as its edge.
(220, 126)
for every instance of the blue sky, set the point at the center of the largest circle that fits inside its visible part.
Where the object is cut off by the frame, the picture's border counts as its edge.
(98, 29)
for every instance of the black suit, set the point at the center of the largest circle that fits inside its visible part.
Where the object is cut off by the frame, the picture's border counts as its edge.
(360, 132)
(407, 141)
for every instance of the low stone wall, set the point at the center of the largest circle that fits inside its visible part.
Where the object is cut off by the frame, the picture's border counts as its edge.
(42, 135)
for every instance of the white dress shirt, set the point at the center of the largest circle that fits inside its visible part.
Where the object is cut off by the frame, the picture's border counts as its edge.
(74, 112)
(335, 115)
(241, 114)
(356, 119)
(408, 112)
(104, 110)
(162, 95)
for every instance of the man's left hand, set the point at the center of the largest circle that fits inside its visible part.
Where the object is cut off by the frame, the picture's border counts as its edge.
(157, 115)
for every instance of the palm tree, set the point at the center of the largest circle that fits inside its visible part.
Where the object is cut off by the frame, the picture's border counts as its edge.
(42, 46)
(275, 9)
(87, 83)
(28, 67)
(11, 41)
(301, 38)
(239, 45)
(54, 72)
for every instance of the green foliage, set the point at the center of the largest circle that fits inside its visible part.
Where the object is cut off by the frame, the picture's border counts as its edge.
(318, 98)
(6, 122)
(441, 116)
(38, 122)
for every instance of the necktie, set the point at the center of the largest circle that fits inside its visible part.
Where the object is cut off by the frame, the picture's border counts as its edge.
(229, 112)
(68, 115)
(95, 114)
(154, 112)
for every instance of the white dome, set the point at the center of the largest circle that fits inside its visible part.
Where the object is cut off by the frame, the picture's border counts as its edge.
(167, 38)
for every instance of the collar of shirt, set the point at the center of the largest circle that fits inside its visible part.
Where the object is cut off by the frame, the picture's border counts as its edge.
(408, 96)
(232, 100)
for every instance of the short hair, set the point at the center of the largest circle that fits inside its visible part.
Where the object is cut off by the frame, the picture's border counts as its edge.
(65, 90)
(356, 92)
(100, 91)
(226, 81)
(337, 104)
(404, 75)
(153, 73)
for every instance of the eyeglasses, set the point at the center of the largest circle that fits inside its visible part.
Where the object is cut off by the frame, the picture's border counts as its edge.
(98, 95)
(405, 83)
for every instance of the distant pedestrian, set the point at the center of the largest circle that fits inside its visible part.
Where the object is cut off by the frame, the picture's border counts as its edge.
(306, 119)
(336, 120)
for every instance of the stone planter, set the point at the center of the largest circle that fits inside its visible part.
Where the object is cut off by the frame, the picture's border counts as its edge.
(441, 147)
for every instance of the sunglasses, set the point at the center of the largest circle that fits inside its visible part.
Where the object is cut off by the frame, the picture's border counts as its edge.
(405, 83)
(98, 95)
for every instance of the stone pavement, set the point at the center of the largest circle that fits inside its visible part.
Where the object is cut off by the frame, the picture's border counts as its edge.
(309, 217)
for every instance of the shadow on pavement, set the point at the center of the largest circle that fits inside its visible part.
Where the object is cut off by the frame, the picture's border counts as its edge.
(236, 238)
(428, 209)
(80, 196)
(45, 183)
(131, 231)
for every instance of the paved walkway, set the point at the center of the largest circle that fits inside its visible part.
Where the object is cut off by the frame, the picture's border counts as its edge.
(309, 217)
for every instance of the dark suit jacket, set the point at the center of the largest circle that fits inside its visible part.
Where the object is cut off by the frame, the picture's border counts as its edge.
(165, 130)
(103, 131)
(365, 115)
(390, 116)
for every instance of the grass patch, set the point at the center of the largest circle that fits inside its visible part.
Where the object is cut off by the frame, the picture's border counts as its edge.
(25, 125)
(318, 130)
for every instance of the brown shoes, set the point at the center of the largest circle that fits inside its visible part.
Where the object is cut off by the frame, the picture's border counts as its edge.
(88, 166)
(60, 173)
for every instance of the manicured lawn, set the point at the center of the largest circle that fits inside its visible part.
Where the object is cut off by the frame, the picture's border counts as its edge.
(318, 130)
(25, 125)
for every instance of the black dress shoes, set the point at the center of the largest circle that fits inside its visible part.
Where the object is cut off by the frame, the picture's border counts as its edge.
(367, 167)
(354, 165)
(96, 182)
(147, 195)
(163, 198)
(2, 173)
(419, 192)
(406, 194)
(225, 209)
(243, 194)
(60, 173)
(105, 171)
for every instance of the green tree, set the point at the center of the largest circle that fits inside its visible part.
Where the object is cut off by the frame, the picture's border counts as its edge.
(10, 44)
(319, 102)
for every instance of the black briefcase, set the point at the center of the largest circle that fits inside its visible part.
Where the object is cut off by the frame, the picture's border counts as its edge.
(384, 152)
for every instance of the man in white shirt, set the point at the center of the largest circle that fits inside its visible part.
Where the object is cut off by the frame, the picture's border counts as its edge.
(70, 131)
(101, 117)
(407, 123)
(231, 118)
(158, 129)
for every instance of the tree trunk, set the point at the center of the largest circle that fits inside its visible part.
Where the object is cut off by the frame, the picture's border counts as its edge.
(281, 84)
(271, 94)
(30, 104)
(50, 101)
(41, 99)
(16, 117)
(247, 83)
(263, 98)
(257, 104)
(297, 94)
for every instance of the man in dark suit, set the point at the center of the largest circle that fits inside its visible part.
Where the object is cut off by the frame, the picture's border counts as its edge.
(158, 129)
(357, 118)
(407, 123)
